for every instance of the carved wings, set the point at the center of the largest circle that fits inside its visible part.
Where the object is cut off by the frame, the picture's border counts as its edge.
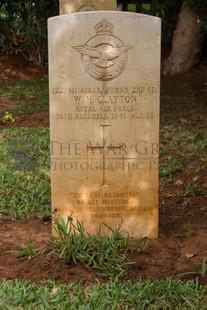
(103, 57)
(116, 52)
(88, 51)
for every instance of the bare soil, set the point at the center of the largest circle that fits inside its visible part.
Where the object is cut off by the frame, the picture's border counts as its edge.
(182, 242)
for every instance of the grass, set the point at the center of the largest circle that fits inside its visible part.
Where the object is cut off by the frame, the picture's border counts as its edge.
(25, 191)
(141, 246)
(146, 294)
(192, 189)
(202, 271)
(24, 173)
(28, 250)
(183, 138)
(28, 96)
(105, 254)
(170, 166)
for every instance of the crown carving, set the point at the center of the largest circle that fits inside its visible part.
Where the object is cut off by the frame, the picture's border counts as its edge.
(104, 27)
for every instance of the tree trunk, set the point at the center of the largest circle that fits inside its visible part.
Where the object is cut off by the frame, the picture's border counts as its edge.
(186, 43)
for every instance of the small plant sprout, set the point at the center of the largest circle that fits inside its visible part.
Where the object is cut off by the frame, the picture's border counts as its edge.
(202, 271)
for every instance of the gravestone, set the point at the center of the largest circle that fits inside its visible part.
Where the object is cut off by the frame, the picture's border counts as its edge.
(104, 76)
(71, 6)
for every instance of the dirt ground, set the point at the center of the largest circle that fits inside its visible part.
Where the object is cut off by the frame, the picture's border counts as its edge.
(178, 248)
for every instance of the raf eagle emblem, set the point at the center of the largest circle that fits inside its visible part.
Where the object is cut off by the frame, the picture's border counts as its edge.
(104, 57)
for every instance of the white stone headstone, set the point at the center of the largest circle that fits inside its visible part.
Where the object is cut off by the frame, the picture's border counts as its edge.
(71, 6)
(104, 76)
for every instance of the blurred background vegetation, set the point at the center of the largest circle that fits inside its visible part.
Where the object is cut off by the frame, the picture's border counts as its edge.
(23, 27)
(23, 23)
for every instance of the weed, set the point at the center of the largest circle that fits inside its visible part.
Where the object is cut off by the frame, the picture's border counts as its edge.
(107, 254)
(202, 271)
(7, 118)
(192, 189)
(28, 250)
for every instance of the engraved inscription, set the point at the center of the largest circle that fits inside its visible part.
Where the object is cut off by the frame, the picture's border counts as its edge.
(138, 90)
(109, 103)
(104, 57)
(104, 116)
(107, 205)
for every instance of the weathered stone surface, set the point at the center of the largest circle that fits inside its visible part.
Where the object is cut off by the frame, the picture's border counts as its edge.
(104, 73)
(71, 6)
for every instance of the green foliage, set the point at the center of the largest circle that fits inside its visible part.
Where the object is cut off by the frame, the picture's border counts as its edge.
(107, 254)
(24, 22)
(199, 6)
(202, 271)
(157, 8)
(25, 26)
(27, 250)
(28, 88)
(146, 294)
(168, 11)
